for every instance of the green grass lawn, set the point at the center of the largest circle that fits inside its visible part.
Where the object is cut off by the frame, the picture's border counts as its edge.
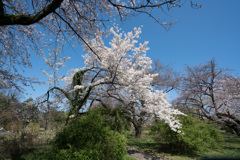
(34, 153)
(230, 148)
(146, 143)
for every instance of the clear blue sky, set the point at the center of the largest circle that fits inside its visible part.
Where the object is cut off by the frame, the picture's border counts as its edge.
(197, 37)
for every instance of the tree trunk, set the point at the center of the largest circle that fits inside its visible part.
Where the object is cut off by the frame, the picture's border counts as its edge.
(1, 8)
(138, 129)
(236, 128)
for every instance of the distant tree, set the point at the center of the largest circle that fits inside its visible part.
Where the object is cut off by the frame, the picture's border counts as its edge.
(213, 93)
(57, 116)
(41, 25)
(12, 110)
(28, 111)
(167, 79)
(9, 102)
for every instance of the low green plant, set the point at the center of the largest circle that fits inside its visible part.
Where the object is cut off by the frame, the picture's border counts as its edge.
(118, 118)
(196, 136)
(88, 137)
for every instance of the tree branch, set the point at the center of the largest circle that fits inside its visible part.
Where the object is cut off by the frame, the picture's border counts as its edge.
(29, 19)
(61, 90)
(1, 8)
(77, 34)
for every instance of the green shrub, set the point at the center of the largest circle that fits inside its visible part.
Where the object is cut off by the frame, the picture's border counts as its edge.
(118, 118)
(197, 136)
(88, 137)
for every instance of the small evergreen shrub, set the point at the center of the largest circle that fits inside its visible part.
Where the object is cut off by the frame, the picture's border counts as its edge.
(197, 136)
(88, 137)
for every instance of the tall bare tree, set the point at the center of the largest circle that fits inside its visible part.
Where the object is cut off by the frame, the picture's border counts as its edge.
(213, 93)
(167, 79)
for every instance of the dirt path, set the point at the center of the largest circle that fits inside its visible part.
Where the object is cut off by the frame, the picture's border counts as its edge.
(139, 155)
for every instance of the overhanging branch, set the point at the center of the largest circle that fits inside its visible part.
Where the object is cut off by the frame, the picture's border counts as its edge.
(27, 19)
(69, 25)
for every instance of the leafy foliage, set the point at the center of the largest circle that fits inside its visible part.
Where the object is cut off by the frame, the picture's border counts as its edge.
(197, 136)
(117, 118)
(88, 137)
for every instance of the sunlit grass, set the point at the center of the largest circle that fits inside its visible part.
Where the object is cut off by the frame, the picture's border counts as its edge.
(127, 157)
(230, 147)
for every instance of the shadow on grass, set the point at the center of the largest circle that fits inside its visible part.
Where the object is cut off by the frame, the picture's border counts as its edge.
(218, 158)
(147, 145)
(230, 148)
(32, 154)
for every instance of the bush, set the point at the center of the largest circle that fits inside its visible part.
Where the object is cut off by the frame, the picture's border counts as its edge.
(117, 118)
(88, 137)
(197, 136)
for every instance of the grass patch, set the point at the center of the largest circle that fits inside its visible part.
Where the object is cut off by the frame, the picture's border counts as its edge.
(230, 147)
(127, 157)
(230, 150)
(35, 153)
(146, 144)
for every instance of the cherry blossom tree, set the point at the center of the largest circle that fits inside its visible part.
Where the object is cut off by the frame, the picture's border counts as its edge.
(119, 71)
(165, 79)
(212, 93)
(55, 63)
(31, 25)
